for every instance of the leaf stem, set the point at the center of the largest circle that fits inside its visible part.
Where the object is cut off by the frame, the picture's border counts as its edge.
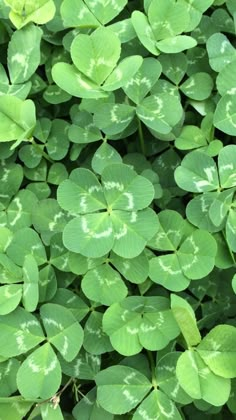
(41, 151)
(55, 399)
(153, 368)
(141, 138)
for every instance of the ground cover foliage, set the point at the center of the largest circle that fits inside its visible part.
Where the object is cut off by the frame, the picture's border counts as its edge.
(117, 209)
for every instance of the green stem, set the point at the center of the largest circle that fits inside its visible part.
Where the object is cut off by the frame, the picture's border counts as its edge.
(56, 398)
(38, 148)
(141, 138)
(153, 368)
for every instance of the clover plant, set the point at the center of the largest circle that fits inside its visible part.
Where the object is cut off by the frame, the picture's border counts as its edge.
(117, 209)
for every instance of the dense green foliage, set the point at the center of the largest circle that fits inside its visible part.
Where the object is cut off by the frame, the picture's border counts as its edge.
(117, 209)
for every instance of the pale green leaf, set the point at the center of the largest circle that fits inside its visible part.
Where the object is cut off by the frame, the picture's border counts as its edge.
(132, 230)
(77, 14)
(157, 404)
(17, 118)
(104, 10)
(81, 193)
(123, 73)
(51, 411)
(135, 269)
(26, 241)
(23, 63)
(121, 388)
(197, 254)
(96, 55)
(144, 31)
(141, 83)
(167, 18)
(42, 370)
(14, 408)
(104, 285)
(112, 119)
(199, 381)
(198, 86)
(63, 330)
(68, 78)
(197, 173)
(220, 51)
(20, 332)
(10, 297)
(174, 66)
(167, 379)
(176, 44)
(160, 112)
(96, 341)
(225, 80)
(170, 232)
(91, 235)
(227, 166)
(166, 270)
(225, 115)
(125, 190)
(25, 11)
(105, 155)
(186, 320)
(218, 349)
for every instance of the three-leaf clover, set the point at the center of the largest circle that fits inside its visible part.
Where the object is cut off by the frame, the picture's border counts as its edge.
(189, 256)
(214, 208)
(95, 71)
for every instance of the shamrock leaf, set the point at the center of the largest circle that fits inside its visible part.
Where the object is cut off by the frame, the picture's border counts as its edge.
(142, 82)
(17, 118)
(193, 257)
(160, 30)
(111, 214)
(95, 70)
(22, 65)
(160, 112)
(143, 322)
(110, 287)
(20, 331)
(127, 388)
(157, 403)
(167, 379)
(42, 368)
(25, 11)
(217, 349)
(186, 320)
(199, 381)
(62, 329)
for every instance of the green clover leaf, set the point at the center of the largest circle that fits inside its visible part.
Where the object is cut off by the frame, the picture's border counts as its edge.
(112, 214)
(95, 70)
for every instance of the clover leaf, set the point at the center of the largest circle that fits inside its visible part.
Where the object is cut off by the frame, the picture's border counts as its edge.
(25, 11)
(127, 386)
(144, 322)
(94, 70)
(193, 256)
(17, 118)
(41, 366)
(157, 402)
(199, 381)
(160, 30)
(211, 210)
(219, 354)
(110, 215)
